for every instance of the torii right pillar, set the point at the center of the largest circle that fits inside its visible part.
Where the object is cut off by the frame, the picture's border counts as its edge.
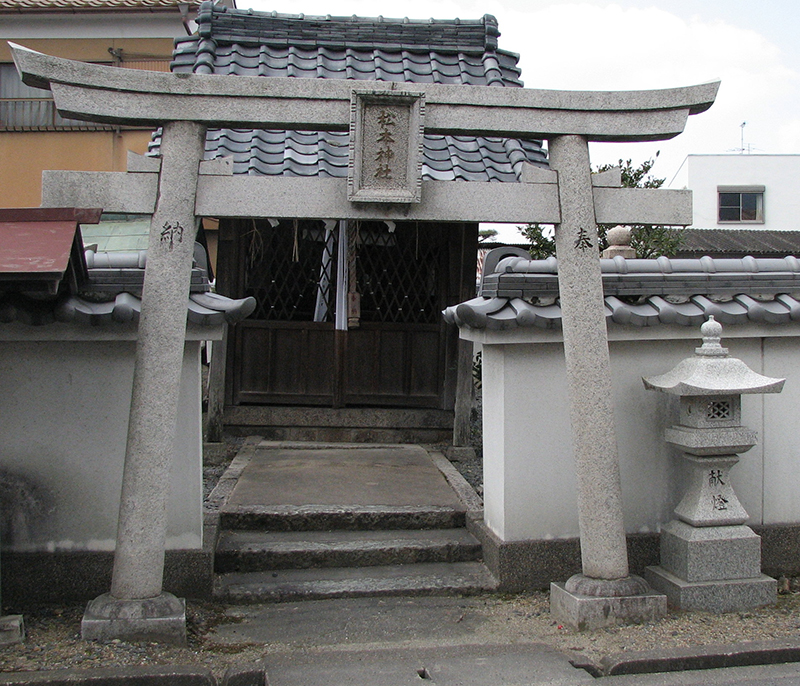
(605, 592)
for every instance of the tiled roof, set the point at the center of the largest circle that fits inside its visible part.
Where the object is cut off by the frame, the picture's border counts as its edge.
(325, 153)
(524, 293)
(204, 309)
(440, 36)
(112, 295)
(739, 243)
(73, 5)
(239, 42)
(512, 313)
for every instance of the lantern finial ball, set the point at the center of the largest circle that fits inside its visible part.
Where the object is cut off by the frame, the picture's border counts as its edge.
(712, 333)
(711, 329)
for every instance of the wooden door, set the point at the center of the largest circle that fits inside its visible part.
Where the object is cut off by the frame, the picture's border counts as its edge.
(394, 351)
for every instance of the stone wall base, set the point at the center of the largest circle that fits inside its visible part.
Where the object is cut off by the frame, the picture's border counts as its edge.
(12, 630)
(30, 578)
(33, 578)
(780, 549)
(522, 566)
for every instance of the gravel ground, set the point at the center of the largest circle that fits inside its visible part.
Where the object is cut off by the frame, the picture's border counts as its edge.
(53, 634)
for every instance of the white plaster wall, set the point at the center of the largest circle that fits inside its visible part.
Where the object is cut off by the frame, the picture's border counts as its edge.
(493, 407)
(527, 457)
(63, 427)
(779, 175)
(529, 485)
(781, 439)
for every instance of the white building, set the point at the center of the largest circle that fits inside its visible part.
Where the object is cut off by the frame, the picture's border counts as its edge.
(743, 191)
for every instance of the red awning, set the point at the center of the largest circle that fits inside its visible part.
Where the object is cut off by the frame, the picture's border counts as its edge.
(40, 247)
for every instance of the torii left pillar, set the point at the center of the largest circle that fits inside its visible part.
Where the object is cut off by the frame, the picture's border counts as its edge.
(137, 608)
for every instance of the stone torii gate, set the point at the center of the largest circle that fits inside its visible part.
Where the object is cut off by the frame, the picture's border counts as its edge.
(386, 121)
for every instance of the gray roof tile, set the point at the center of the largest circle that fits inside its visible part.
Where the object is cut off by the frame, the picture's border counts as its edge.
(118, 305)
(519, 293)
(244, 42)
(511, 312)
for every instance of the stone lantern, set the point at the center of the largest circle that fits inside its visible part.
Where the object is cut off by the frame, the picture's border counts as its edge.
(709, 559)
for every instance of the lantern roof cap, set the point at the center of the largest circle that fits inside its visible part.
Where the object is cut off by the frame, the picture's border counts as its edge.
(712, 371)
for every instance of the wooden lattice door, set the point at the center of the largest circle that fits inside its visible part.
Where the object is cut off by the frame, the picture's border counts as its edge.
(305, 346)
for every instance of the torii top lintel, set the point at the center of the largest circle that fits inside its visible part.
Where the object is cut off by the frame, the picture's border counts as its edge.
(127, 96)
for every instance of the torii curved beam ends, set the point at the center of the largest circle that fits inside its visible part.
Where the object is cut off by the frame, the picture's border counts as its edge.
(127, 96)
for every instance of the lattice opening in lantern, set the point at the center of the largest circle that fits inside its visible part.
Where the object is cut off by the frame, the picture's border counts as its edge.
(719, 409)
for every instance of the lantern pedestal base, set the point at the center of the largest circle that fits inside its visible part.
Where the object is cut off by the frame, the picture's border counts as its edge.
(720, 596)
(710, 553)
(711, 568)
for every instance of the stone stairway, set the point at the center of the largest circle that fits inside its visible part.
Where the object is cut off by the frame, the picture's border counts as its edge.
(282, 551)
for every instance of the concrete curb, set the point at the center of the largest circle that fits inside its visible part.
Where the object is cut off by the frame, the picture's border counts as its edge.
(182, 675)
(694, 658)
(222, 491)
(472, 501)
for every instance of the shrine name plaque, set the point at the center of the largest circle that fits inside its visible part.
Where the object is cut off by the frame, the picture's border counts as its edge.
(386, 146)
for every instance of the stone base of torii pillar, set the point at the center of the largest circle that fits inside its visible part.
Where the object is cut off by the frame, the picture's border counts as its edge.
(161, 618)
(632, 602)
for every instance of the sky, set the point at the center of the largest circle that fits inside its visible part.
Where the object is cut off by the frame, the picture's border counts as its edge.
(751, 46)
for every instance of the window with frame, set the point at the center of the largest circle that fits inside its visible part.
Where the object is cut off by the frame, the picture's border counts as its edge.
(740, 204)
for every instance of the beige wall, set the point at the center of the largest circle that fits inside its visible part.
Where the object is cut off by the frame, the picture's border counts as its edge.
(92, 49)
(25, 154)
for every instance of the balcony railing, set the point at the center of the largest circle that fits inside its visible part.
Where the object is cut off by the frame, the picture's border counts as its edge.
(39, 114)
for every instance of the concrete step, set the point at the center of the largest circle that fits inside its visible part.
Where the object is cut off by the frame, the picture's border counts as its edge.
(252, 551)
(353, 582)
(347, 518)
(349, 424)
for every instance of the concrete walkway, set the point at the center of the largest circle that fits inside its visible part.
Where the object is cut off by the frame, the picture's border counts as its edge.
(454, 641)
(359, 476)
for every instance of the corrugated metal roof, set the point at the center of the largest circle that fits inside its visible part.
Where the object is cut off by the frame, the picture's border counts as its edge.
(36, 249)
(112, 236)
(739, 243)
(248, 43)
(41, 251)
